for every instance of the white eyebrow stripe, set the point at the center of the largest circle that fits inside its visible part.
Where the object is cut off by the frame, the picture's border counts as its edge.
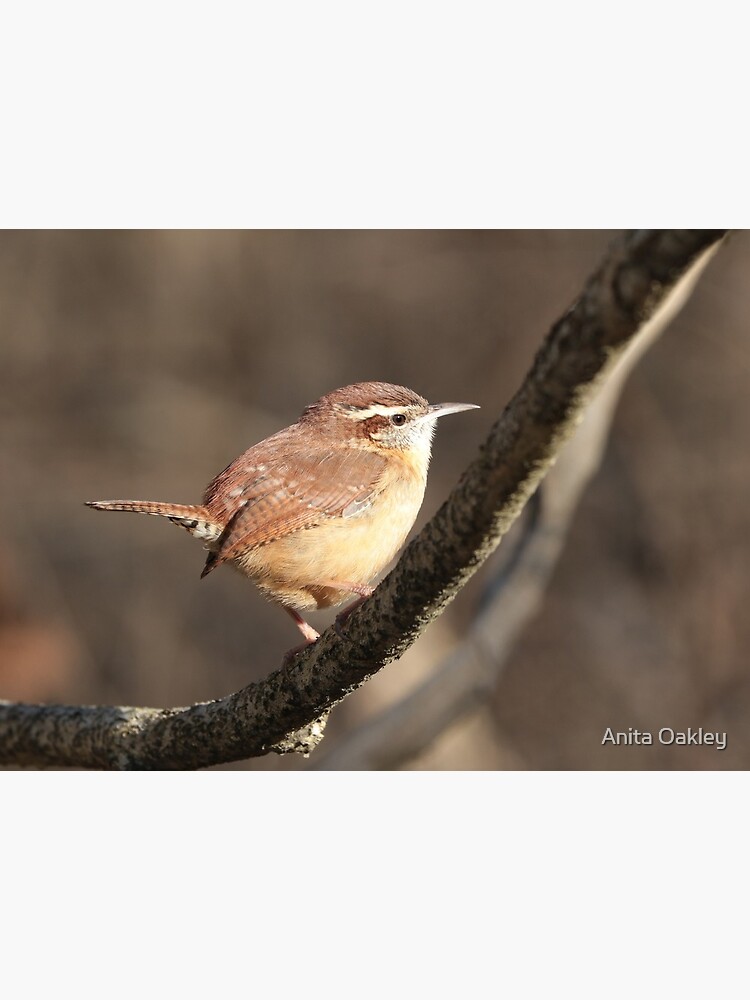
(374, 411)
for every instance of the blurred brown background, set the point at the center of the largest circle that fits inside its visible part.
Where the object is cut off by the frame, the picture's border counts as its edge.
(137, 364)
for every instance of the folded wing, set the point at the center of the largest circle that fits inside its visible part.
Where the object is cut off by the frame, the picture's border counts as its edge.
(276, 498)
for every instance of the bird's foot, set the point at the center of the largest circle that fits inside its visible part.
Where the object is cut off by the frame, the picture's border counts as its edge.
(342, 616)
(292, 653)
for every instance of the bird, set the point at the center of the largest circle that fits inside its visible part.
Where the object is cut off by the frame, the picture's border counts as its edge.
(313, 513)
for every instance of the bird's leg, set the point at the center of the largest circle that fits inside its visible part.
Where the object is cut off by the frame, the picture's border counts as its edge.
(364, 592)
(305, 628)
(309, 632)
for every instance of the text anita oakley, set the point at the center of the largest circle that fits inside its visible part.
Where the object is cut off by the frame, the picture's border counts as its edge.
(666, 736)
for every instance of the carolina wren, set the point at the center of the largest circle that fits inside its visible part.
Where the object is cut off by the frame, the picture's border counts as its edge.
(313, 513)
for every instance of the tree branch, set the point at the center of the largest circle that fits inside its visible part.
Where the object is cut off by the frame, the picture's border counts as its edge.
(283, 711)
(469, 675)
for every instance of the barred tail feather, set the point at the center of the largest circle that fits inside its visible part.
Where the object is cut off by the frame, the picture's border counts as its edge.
(193, 518)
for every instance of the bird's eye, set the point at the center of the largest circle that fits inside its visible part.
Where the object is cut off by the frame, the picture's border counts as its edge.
(399, 419)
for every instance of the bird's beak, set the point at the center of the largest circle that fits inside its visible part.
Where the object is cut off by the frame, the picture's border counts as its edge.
(443, 409)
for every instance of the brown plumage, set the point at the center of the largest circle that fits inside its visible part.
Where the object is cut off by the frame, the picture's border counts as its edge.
(313, 513)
